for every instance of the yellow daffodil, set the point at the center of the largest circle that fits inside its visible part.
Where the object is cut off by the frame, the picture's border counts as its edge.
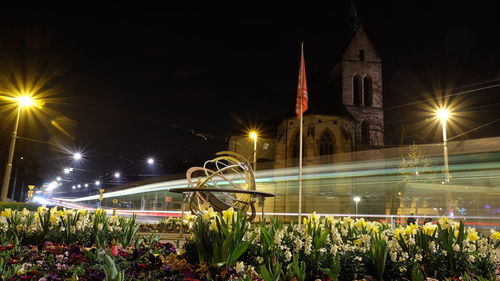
(495, 235)
(6, 213)
(398, 232)
(429, 228)
(473, 236)
(305, 221)
(360, 223)
(444, 222)
(313, 217)
(52, 219)
(372, 227)
(42, 209)
(209, 214)
(213, 225)
(228, 214)
(411, 229)
(347, 220)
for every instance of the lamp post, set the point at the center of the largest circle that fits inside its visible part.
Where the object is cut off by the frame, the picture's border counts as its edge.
(253, 135)
(356, 201)
(23, 101)
(443, 114)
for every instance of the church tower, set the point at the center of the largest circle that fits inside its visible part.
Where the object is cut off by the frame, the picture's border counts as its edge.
(357, 77)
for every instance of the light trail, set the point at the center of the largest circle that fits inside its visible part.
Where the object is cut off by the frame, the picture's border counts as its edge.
(472, 195)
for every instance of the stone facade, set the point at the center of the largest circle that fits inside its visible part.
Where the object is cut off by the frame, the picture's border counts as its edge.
(319, 131)
(360, 65)
(356, 82)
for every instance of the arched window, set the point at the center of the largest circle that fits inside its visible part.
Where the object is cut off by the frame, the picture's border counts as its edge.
(356, 90)
(326, 146)
(367, 91)
(365, 134)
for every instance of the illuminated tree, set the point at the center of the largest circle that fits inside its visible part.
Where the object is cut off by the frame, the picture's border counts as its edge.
(416, 166)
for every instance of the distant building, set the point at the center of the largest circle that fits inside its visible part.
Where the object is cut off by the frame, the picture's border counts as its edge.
(354, 121)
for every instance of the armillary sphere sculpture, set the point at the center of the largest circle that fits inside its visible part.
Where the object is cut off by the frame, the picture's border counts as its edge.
(223, 182)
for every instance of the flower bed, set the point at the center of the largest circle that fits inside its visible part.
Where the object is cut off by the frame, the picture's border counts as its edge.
(74, 262)
(70, 245)
(66, 226)
(170, 224)
(342, 249)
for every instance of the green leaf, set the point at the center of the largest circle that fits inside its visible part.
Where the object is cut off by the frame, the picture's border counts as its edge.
(225, 246)
(239, 251)
(267, 238)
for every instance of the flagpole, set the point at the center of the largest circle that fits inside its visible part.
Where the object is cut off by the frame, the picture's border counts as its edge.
(300, 140)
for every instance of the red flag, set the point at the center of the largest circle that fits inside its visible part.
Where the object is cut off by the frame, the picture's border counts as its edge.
(302, 96)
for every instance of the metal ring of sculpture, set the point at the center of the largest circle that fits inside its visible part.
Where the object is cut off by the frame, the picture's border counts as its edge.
(229, 170)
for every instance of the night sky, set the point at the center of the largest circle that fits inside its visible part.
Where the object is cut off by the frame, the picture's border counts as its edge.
(127, 81)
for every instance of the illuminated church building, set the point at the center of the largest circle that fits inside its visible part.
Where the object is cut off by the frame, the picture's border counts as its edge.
(352, 118)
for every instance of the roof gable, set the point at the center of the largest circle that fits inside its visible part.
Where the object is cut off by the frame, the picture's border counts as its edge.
(360, 41)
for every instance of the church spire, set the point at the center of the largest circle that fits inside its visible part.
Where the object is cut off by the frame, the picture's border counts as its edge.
(354, 22)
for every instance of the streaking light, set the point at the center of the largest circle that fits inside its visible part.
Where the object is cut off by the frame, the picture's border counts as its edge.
(40, 200)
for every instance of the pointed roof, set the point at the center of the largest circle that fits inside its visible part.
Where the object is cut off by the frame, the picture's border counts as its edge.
(353, 19)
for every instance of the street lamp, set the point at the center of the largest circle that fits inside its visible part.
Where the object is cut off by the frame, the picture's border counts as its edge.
(117, 175)
(356, 201)
(97, 183)
(23, 101)
(77, 156)
(443, 115)
(151, 161)
(253, 135)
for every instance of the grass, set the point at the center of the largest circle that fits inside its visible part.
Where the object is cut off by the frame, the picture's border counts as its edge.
(18, 206)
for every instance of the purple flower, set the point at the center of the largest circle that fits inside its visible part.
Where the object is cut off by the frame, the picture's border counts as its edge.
(97, 275)
(53, 276)
(169, 247)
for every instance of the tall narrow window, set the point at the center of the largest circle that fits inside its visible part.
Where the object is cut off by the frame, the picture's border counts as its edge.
(361, 55)
(367, 91)
(326, 146)
(356, 90)
(365, 134)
